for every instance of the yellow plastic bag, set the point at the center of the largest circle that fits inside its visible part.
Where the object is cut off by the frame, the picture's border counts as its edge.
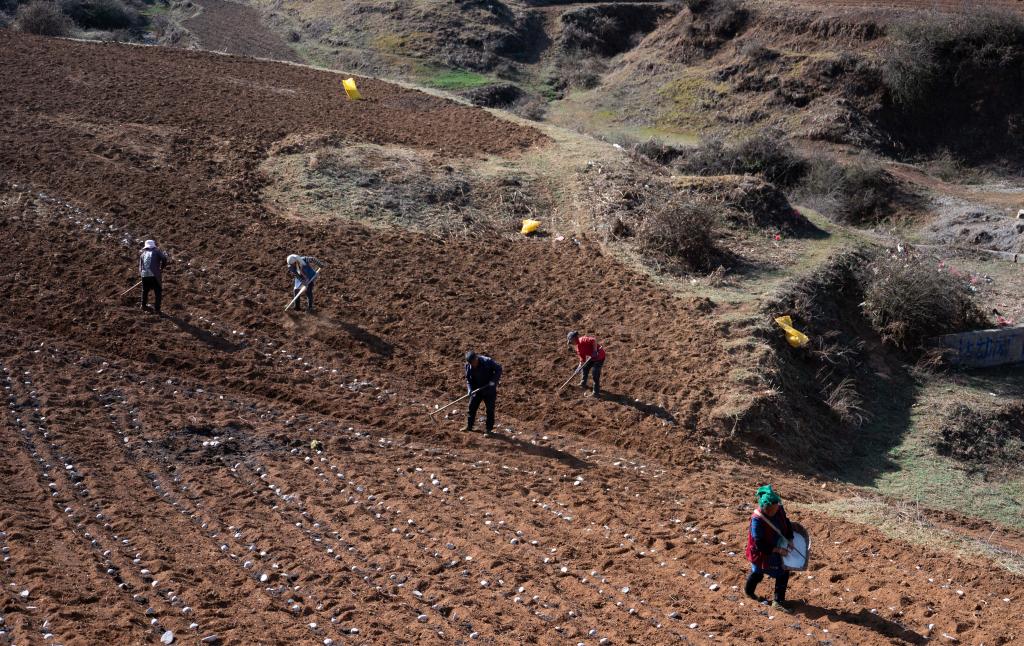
(351, 90)
(529, 226)
(796, 338)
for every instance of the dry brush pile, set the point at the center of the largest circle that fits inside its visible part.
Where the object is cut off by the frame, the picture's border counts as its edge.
(983, 438)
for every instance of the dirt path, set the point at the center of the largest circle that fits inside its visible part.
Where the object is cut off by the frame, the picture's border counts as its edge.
(234, 28)
(158, 473)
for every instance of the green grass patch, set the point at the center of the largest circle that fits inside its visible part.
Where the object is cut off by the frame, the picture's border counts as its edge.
(455, 80)
(689, 103)
(155, 9)
(939, 482)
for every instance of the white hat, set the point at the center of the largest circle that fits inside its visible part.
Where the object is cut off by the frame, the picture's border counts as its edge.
(293, 258)
(150, 244)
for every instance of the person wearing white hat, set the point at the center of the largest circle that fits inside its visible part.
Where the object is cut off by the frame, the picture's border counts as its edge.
(151, 264)
(301, 269)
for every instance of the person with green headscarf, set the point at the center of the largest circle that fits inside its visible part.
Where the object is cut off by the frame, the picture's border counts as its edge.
(767, 542)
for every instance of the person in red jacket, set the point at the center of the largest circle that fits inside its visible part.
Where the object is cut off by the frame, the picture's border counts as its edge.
(587, 348)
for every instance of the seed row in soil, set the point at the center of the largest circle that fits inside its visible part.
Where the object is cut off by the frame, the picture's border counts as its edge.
(227, 538)
(321, 531)
(544, 607)
(60, 500)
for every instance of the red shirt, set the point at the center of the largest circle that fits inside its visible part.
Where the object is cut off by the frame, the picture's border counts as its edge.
(587, 348)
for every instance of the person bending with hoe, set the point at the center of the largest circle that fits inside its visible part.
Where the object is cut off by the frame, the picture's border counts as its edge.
(151, 265)
(301, 269)
(482, 376)
(767, 542)
(591, 356)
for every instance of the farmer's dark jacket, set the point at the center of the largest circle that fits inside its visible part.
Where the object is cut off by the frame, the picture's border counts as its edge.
(762, 539)
(486, 371)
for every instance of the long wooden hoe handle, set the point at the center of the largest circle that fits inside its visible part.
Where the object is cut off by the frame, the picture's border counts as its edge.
(581, 367)
(303, 290)
(450, 404)
(129, 289)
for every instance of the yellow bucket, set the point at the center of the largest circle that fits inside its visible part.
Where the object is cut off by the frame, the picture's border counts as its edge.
(351, 90)
(529, 226)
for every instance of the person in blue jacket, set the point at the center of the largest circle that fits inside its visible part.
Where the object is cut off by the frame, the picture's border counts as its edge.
(301, 268)
(482, 375)
(771, 533)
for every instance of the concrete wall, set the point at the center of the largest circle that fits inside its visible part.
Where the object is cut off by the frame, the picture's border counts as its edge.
(984, 347)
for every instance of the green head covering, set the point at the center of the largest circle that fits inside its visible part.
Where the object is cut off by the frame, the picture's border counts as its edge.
(766, 496)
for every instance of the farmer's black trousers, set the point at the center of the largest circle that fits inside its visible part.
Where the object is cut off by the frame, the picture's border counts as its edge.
(151, 283)
(309, 297)
(781, 583)
(594, 366)
(488, 396)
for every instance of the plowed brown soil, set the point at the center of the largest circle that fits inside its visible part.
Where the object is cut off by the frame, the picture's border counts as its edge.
(156, 471)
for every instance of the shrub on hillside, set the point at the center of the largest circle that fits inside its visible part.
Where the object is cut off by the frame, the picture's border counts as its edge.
(908, 302)
(724, 18)
(530, 107)
(167, 31)
(656, 150)
(680, 232)
(106, 15)
(942, 47)
(858, 193)
(940, 73)
(766, 154)
(42, 17)
(576, 70)
(589, 36)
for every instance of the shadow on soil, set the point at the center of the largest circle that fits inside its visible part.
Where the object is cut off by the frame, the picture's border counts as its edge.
(567, 459)
(208, 338)
(376, 344)
(889, 403)
(889, 629)
(646, 409)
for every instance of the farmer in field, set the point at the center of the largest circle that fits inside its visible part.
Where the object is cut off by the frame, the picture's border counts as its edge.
(770, 534)
(482, 376)
(591, 356)
(151, 265)
(301, 268)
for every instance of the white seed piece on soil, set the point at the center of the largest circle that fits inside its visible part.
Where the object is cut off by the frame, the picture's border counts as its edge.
(693, 625)
(167, 638)
(422, 619)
